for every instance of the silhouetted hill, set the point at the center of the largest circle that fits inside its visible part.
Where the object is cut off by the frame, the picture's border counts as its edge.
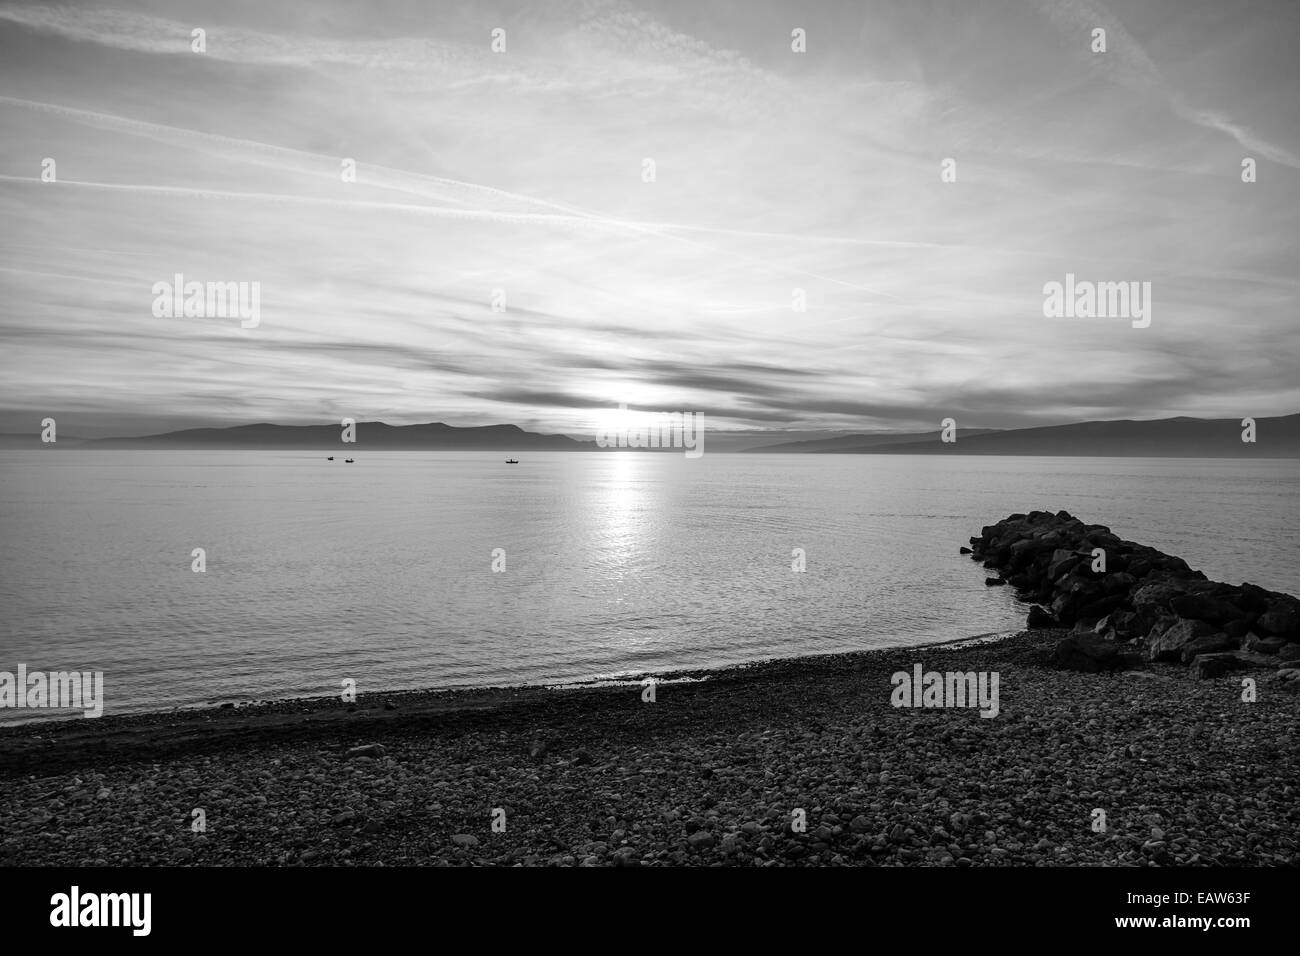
(434, 436)
(32, 439)
(860, 442)
(1166, 437)
(1170, 437)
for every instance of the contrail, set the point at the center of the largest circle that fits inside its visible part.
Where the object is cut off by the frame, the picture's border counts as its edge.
(432, 187)
(467, 214)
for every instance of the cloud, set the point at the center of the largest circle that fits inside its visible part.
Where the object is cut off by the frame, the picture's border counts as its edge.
(1125, 61)
(780, 178)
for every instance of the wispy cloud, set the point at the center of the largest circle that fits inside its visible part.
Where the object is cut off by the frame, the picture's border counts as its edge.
(796, 260)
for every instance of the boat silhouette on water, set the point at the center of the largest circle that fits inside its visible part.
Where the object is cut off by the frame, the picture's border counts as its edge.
(512, 461)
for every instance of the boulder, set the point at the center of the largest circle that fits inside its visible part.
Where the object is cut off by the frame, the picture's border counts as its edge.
(1256, 659)
(1118, 626)
(1239, 628)
(1039, 618)
(1168, 644)
(1049, 539)
(1282, 619)
(1118, 582)
(1062, 561)
(1210, 644)
(1202, 607)
(1157, 594)
(1070, 601)
(1139, 567)
(1214, 665)
(1081, 652)
(1102, 606)
(1251, 598)
(1063, 608)
(1262, 645)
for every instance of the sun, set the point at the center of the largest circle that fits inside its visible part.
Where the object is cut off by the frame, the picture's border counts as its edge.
(614, 424)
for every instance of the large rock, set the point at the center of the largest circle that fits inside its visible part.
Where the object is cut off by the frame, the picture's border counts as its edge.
(1256, 659)
(1069, 603)
(1239, 629)
(1119, 626)
(1100, 607)
(1168, 644)
(1251, 598)
(1157, 594)
(1210, 644)
(1062, 561)
(1082, 652)
(1282, 619)
(1215, 665)
(1202, 607)
(1039, 618)
(1263, 645)
(1118, 582)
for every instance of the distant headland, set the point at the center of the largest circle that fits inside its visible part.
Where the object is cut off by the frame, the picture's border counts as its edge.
(1183, 437)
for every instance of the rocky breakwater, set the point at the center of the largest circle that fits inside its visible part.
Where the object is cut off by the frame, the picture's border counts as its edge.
(1128, 603)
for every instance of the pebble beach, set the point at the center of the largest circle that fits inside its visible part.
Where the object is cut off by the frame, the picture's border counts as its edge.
(801, 761)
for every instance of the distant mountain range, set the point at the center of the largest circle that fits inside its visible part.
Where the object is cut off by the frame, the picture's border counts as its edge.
(1168, 437)
(1162, 438)
(863, 442)
(434, 436)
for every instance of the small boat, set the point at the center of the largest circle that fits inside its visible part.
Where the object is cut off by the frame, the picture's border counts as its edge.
(347, 460)
(330, 458)
(512, 461)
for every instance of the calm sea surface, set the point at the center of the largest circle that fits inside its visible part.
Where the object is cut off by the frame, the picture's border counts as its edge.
(615, 563)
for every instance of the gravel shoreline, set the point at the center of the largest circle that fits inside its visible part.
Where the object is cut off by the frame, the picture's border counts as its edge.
(709, 773)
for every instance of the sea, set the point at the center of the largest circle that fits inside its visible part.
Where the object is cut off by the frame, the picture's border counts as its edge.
(441, 570)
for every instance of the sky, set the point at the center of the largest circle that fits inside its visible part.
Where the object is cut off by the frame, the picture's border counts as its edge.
(518, 177)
